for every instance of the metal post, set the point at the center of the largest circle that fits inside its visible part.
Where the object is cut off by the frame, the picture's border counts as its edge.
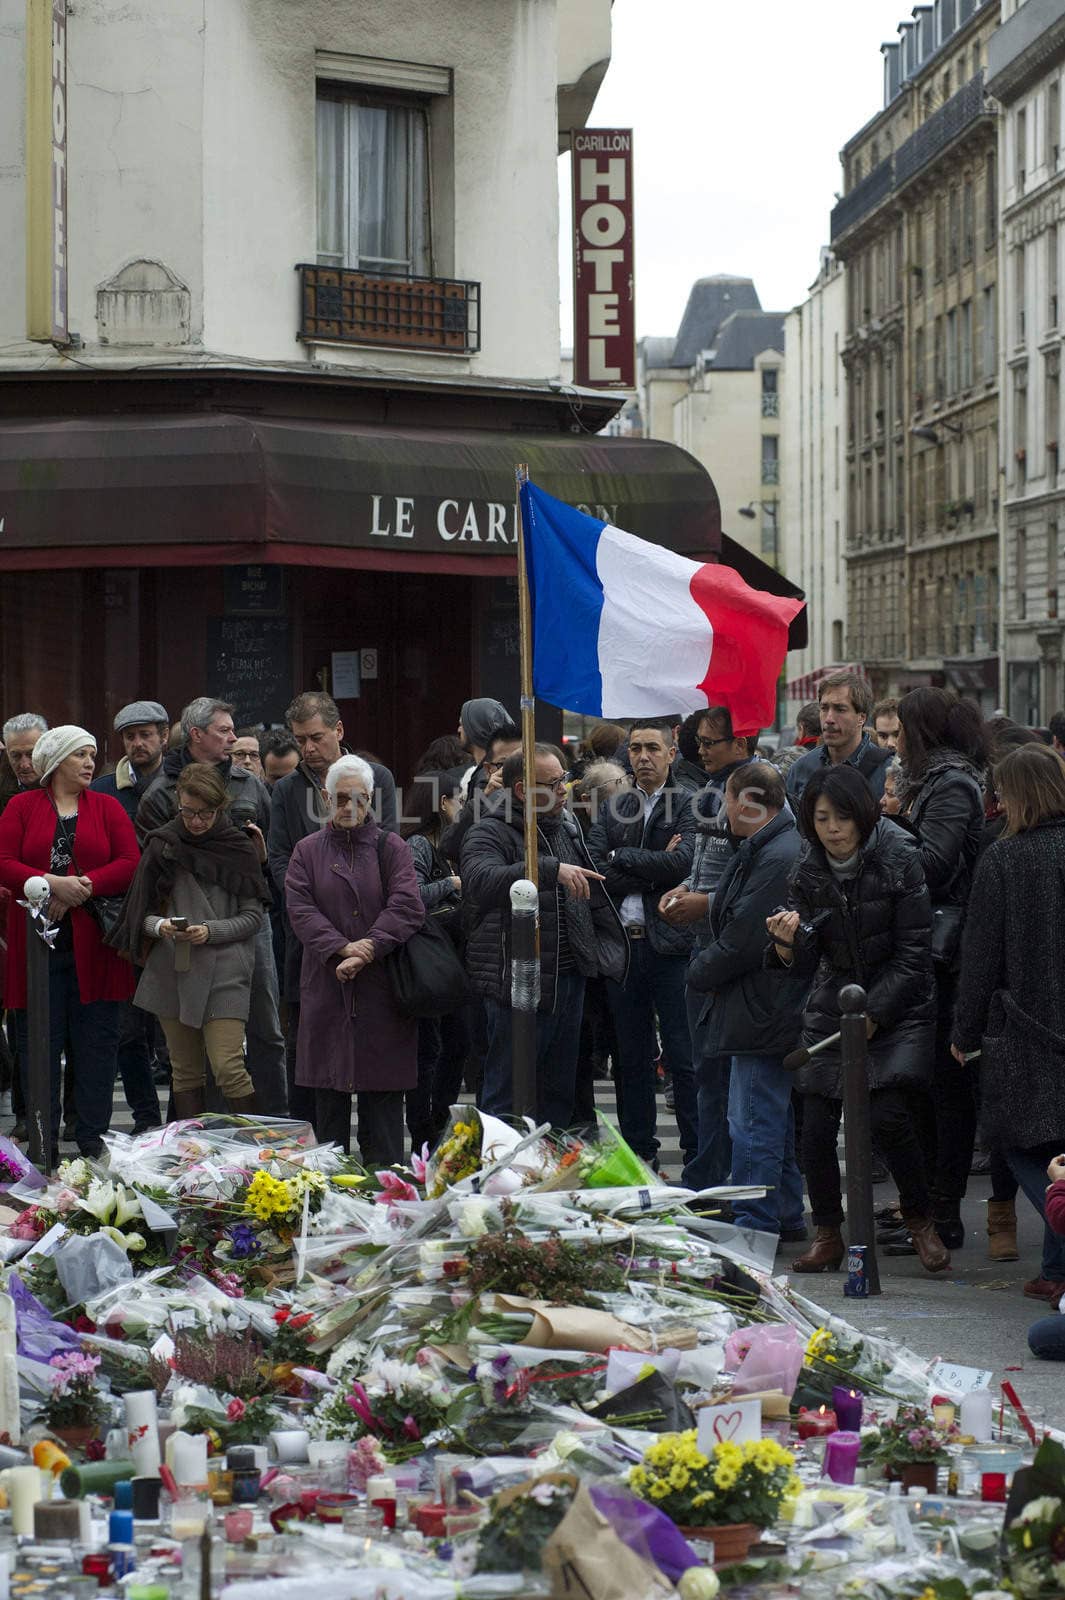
(854, 1046)
(38, 1032)
(524, 994)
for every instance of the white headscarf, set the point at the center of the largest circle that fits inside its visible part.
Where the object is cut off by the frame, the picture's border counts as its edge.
(53, 747)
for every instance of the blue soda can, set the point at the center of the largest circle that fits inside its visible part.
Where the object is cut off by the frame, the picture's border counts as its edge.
(857, 1284)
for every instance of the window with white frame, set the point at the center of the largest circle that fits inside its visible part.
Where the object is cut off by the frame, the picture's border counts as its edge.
(373, 182)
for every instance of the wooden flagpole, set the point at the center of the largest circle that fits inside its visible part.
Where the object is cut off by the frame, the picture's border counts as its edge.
(528, 704)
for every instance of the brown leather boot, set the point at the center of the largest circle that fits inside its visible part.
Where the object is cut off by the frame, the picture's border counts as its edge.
(245, 1106)
(824, 1255)
(1002, 1231)
(933, 1254)
(187, 1103)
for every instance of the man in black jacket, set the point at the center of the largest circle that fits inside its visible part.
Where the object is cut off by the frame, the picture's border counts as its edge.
(580, 935)
(754, 1014)
(643, 841)
(298, 808)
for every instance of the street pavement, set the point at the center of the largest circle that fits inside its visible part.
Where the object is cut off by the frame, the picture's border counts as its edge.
(974, 1315)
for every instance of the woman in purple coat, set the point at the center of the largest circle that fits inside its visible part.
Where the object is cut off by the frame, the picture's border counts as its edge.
(352, 897)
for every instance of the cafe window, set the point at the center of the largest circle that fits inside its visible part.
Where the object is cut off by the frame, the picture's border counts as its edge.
(373, 182)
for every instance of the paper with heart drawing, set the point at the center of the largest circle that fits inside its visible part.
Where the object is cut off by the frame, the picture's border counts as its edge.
(737, 1420)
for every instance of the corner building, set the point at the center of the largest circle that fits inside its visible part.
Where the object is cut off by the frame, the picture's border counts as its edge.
(280, 318)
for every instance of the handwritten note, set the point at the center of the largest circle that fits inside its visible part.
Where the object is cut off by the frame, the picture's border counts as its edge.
(735, 1420)
(947, 1377)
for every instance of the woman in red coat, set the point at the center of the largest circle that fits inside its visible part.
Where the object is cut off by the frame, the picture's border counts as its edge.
(84, 844)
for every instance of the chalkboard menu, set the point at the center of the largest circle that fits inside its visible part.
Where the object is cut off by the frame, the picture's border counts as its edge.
(499, 644)
(249, 664)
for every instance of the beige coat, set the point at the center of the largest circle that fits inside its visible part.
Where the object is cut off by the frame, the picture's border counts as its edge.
(218, 982)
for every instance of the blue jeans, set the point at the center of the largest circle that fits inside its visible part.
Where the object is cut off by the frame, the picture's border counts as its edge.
(1029, 1167)
(1046, 1338)
(762, 1123)
(135, 1041)
(90, 1034)
(558, 1038)
(713, 1161)
(655, 984)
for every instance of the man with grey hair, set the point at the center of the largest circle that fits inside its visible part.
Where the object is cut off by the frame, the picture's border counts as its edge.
(209, 736)
(20, 734)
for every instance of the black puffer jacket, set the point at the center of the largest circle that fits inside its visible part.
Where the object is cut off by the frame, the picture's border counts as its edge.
(1011, 1002)
(493, 858)
(632, 853)
(877, 931)
(945, 810)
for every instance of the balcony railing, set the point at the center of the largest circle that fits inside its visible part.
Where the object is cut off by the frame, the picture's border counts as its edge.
(341, 306)
(918, 151)
(770, 403)
(941, 130)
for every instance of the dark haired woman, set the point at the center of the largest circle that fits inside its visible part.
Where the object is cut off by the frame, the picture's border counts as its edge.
(862, 915)
(190, 918)
(431, 805)
(943, 749)
(1010, 1010)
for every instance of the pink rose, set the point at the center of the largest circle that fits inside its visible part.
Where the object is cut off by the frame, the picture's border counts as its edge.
(235, 1410)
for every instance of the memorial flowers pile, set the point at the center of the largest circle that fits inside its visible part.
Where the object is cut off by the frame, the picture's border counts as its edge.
(74, 1400)
(913, 1436)
(733, 1483)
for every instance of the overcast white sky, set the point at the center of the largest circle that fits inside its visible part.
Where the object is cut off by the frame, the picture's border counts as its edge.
(738, 109)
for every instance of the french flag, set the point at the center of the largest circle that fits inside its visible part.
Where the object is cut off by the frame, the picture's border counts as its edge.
(623, 628)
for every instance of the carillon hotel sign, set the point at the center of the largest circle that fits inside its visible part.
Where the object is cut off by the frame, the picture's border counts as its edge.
(604, 341)
(46, 170)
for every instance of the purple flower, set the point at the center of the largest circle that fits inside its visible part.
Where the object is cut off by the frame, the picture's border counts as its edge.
(243, 1242)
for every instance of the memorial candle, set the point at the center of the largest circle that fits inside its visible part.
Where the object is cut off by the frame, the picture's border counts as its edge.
(816, 1424)
(841, 1456)
(847, 1404)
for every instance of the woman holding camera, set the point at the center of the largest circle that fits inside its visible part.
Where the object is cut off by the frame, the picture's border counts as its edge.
(191, 917)
(862, 915)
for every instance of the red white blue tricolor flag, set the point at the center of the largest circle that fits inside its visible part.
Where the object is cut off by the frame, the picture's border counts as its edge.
(623, 628)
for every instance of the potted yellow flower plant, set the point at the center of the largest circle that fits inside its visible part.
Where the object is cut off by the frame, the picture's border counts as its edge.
(728, 1495)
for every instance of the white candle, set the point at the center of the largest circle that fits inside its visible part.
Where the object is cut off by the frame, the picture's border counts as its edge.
(380, 1488)
(25, 1486)
(186, 1456)
(290, 1444)
(85, 1538)
(142, 1432)
(975, 1416)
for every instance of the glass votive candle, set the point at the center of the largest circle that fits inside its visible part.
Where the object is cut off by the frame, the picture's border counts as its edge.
(993, 1487)
(220, 1486)
(238, 1525)
(188, 1517)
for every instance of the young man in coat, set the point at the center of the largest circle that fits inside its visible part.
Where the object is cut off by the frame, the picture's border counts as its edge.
(643, 841)
(753, 1014)
(580, 934)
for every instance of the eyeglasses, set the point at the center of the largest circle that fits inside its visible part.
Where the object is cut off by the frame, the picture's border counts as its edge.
(188, 815)
(708, 744)
(491, 766)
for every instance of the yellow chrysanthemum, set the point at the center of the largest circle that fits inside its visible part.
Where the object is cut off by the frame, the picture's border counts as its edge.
(725, 1477)
(659, 1491)
(679, 1477)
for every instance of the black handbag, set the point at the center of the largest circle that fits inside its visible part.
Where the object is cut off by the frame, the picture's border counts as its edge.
(947, 924)
(104, 909)
(426, 973)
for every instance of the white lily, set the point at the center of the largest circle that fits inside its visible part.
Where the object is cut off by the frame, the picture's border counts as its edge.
(127, 1206)
(121, 1239)
(135, 1243)
(100, 1200)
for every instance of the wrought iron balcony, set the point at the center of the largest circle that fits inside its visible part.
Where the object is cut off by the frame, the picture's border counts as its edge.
(342, 306)
(872, 191)
(941, 130)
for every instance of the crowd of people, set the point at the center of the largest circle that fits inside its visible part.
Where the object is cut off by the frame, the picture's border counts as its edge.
(231, 908)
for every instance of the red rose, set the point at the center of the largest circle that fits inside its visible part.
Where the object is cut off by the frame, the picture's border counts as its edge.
(235, 1410)
(283, 1314)
(95, 1450)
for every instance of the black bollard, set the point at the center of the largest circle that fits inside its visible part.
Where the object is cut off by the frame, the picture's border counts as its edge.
(524, 994)
(854, 1047)
(38, 1066)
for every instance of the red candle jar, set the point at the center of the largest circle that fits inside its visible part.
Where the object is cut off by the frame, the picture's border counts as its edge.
(331, 1507)
(816, 1424)
(993, 1487)
(97, 1564)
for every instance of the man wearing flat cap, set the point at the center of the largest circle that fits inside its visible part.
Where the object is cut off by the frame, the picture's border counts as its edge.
(145, 729)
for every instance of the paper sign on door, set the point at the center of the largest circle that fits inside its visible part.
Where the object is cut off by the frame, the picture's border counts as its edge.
(735, 1420)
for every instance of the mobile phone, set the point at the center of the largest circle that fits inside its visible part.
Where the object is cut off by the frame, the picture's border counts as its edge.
(179, 924)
